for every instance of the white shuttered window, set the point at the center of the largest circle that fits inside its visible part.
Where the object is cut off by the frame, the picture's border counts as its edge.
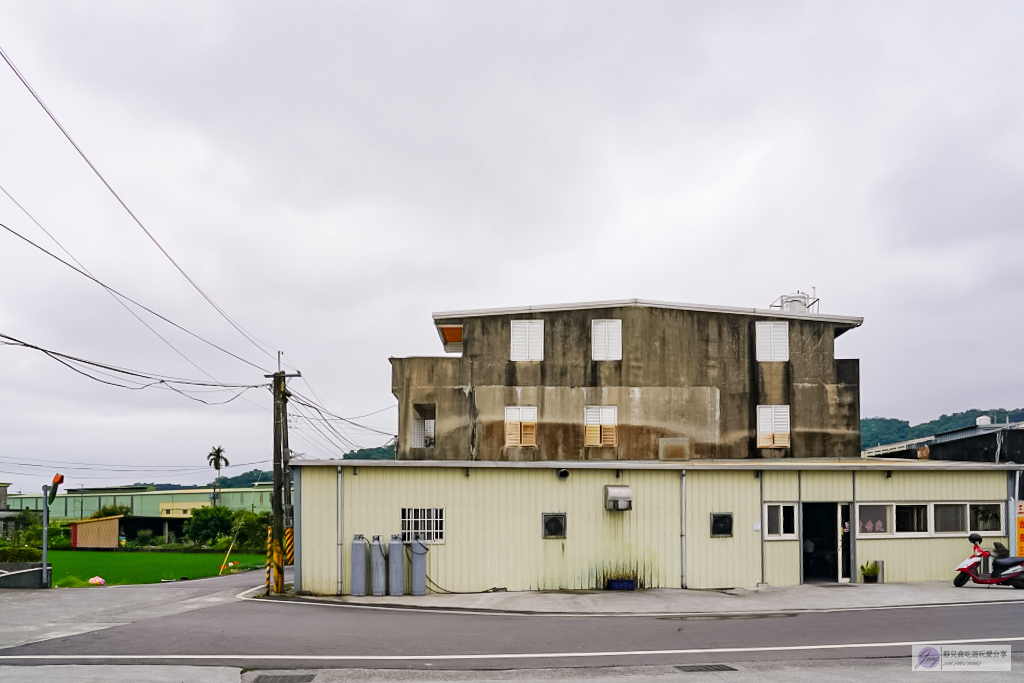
(772, 341)
(599, 423)
(527, 340)
(520, 426)
(606, 339)
(773, 426)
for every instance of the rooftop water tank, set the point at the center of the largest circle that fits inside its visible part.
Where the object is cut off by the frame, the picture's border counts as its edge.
(796, 303)
(983, 421)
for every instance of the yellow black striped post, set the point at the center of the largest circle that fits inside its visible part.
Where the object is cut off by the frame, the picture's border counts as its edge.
(289, 547)
(270, 534)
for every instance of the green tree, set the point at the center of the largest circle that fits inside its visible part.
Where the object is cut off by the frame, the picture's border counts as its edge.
(111, 511)
(209, 524)
(217, 460)
(251, 529)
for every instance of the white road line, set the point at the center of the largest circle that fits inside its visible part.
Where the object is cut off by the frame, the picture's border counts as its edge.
(516, 655)
(722, 615)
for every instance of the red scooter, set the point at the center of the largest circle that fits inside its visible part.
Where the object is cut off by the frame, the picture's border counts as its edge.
(1007, 571)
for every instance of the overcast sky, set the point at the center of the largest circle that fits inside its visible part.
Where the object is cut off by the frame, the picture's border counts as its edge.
(332, 173)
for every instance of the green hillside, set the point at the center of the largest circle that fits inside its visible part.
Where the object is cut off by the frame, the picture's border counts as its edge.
(379, 453)
(879, 431)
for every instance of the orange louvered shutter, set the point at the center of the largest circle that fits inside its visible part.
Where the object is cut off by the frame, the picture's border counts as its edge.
(529, 434)
(608, 435)
(512, 432)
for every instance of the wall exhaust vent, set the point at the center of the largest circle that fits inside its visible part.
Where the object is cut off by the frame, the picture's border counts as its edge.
(554, 525)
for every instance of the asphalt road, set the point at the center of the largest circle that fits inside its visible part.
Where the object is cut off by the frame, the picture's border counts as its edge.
(280, 635)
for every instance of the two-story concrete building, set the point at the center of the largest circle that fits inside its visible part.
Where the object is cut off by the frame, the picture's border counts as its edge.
(630, 380)
(671, 445)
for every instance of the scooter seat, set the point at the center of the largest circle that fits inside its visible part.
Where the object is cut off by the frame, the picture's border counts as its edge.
(1002, 564)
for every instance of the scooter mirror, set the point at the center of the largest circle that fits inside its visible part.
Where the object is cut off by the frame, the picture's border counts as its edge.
(974, 538)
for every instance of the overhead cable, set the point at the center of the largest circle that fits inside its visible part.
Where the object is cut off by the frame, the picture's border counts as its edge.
(255, 342)
(127, 298)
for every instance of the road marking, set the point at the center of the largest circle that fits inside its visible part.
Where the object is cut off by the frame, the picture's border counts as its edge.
(590, 615)
(514, 655)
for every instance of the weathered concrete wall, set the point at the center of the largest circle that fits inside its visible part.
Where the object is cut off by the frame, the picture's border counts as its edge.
(690, 378)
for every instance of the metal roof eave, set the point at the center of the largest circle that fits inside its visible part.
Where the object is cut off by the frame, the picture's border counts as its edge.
(845, 321)
(820, 464)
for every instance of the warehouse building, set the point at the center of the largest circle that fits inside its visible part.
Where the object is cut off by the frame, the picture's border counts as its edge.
(700, 524)
(162, 512)
(664, 445)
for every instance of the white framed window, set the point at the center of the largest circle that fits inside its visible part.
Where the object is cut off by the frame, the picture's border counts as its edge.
(527, 340)
(779, 522)
(599, 423)
(929, 519)
(520, 426)
(772, 341)
(606, 339)
(911, 518)
(986, 518)
(773, 426)
(426, 524)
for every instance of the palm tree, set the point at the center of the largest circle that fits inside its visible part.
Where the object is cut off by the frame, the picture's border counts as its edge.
(217, 460)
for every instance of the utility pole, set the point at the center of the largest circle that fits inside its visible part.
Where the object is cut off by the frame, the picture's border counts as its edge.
(281, 394)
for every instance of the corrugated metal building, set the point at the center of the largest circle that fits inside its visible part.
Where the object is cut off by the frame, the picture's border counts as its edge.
(698, 524)
(143, 501)
(102, 532)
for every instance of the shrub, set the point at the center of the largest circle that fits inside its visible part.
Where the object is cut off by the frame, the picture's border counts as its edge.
(56, 538)
(71, 582)
(111, 511)
(209, 524)
(252, 529)
(21, 555)
(59, 543)
(144, 537)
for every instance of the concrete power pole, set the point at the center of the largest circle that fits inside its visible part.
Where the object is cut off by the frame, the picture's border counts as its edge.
(281, 395)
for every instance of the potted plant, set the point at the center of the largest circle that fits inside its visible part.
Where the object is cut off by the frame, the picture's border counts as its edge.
(869, 570)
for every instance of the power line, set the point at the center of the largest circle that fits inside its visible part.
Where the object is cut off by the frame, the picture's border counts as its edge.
(306, 401)
(51, 463)
(116, 298)
(127, 377)
(127, 298)
(253, 340)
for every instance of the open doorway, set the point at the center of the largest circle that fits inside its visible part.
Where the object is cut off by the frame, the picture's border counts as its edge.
(827, 544)
(821, 542)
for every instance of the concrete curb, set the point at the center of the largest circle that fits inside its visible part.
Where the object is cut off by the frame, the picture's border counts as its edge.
(722, 614)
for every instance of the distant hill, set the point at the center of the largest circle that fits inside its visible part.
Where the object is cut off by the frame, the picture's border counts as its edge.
(379, 453)
(245, 480)
(879, 431)
(165, 487)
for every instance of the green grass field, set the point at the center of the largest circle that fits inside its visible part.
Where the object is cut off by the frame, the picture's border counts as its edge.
(74, 567)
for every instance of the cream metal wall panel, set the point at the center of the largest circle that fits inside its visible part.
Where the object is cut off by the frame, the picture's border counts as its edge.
(722, 562)
(828, 487)
(320, 530)
(931, 486)
(782, 563)
(493, 525)
(781, 487)
(99, 534)
(917, 559)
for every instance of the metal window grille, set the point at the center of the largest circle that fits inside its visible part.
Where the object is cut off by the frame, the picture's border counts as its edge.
(426, 524)
(418, 433)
